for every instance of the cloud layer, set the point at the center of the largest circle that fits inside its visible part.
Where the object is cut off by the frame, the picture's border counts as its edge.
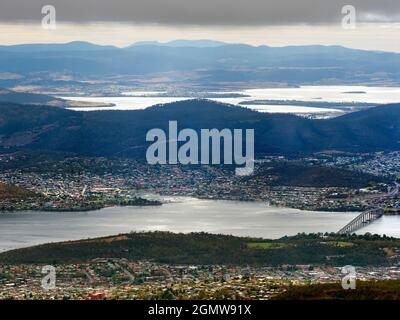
(202, 12)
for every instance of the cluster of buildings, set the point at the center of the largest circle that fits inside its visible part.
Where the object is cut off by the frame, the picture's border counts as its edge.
(121, 279)
(379, 163)
(82, 183)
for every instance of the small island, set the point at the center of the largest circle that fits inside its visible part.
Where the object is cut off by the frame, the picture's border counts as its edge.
(354, 92)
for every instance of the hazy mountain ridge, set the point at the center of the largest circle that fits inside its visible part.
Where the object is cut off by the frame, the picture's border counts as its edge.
(10, 96)
(204, 43)
(222, 62)
(43, 47)
(27, 98)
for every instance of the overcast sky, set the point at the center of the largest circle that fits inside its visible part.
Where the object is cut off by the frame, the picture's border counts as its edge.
(272, 22)
(203, 12)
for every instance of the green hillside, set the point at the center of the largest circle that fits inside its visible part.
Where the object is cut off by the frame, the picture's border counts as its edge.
(203, 248)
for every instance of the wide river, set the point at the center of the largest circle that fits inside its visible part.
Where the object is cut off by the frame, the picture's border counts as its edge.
(343, 94)
(181, 214)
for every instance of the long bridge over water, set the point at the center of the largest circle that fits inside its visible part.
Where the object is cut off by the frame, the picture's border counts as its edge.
(361, 221)
(369, 216)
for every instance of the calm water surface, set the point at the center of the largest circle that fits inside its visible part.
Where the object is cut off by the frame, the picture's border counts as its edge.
(182, 215)
(345, 94)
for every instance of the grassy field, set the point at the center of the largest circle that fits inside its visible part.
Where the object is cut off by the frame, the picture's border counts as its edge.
(267, 245)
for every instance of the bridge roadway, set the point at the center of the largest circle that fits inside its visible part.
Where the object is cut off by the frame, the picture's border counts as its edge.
(361, 221)
(369, 216)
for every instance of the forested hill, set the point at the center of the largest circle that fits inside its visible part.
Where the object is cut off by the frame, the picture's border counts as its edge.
(207, 249)
(122, 133)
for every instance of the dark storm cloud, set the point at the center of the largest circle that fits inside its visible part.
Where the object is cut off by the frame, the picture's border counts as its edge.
(202, 12)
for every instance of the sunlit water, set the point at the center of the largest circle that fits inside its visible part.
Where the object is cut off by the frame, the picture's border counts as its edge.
(389, 225)
(330, 94)
(345, 94)
(254, 219)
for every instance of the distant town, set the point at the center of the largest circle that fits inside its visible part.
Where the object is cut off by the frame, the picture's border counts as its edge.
(328, 182)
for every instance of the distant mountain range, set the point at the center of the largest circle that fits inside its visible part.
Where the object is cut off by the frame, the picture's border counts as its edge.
(87, 46)
(7, 95)
(182, 43)
(52, 47)
(122, 133)
(211, 61)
